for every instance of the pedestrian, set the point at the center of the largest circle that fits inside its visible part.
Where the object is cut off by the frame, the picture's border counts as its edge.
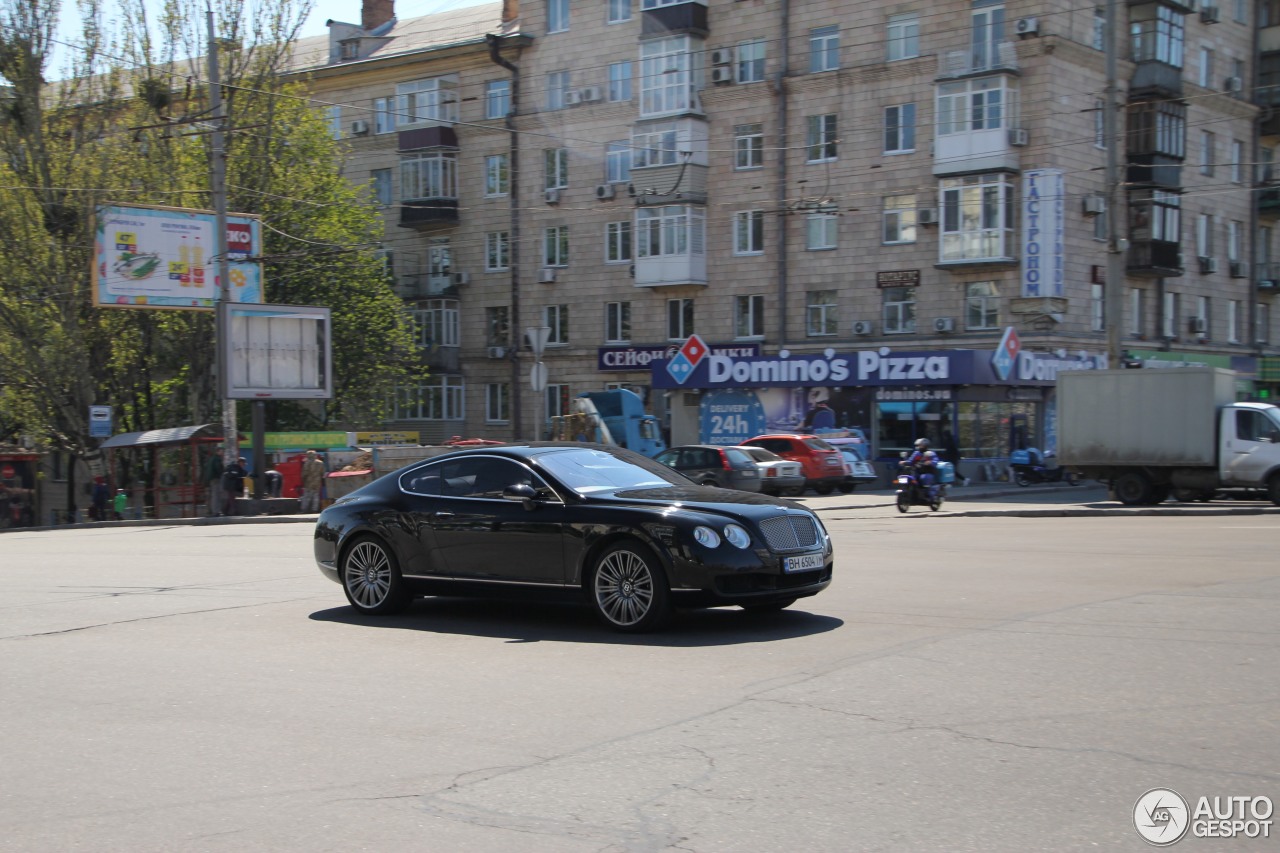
(272, 483)
(101, 494)
(213, 481)
(120, 504)
(233, 485)
(312, 481)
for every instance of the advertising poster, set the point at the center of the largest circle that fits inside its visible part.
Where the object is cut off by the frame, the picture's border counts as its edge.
(153, 257)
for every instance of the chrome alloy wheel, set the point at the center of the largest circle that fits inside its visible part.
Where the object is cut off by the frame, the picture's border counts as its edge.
(371, 579)
(628, 590)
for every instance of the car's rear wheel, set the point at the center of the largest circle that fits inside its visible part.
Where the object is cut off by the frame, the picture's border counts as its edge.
(1132, 488)
(371, 578)
(846, 488)
(628, 589)
(824, 488)
(769, 607)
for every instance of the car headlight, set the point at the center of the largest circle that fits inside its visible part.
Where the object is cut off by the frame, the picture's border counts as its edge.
(736, 536)
(706, 537)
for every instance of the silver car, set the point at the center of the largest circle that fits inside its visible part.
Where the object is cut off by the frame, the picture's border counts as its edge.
(778, 476)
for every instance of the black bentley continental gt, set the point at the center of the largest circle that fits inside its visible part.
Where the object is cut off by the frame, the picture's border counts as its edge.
(635, 537)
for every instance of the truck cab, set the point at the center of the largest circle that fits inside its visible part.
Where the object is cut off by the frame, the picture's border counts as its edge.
(1249, 436)
(619, 418)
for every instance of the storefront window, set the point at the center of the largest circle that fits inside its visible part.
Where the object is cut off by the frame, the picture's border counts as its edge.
(993, 430)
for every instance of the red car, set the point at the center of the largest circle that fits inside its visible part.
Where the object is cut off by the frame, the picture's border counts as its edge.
(824, 466)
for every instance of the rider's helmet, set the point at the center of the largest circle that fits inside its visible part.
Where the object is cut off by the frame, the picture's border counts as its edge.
(922, 444)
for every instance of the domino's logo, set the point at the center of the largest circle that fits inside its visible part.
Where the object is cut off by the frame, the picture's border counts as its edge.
(1006, 355)
(688, 357)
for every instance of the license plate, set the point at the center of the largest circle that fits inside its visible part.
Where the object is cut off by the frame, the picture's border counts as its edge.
(902, 481)
(802, 563)
(863, 469)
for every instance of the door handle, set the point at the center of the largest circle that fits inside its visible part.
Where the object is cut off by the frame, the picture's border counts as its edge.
(442, 515)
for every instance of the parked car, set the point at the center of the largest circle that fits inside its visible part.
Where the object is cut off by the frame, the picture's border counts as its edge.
(823, 465)
(633, 537)
(778, 476)
(711, 465)
(856, 454)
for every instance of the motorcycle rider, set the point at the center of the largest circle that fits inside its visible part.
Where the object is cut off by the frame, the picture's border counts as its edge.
(922, 461)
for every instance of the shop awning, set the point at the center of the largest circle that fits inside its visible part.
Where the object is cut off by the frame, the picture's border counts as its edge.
(158, 437)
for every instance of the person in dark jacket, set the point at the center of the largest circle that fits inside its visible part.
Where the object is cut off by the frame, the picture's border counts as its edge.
(233, 485)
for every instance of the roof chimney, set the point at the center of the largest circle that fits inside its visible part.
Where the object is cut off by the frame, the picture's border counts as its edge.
(375, 13)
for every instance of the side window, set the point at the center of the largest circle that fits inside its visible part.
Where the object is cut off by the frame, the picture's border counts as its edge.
(1252, 426)
(424, 481)
(707, 459)
(483, 477)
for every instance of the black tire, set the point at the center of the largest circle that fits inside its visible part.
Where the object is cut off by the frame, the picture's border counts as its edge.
(708, 481)
(847, 488)
(1273, 489)
(1132, 488)
(770, 607)
(796, 492)
(1072, 478)
(1186, 496)
(628, 589)
(1021, 479)
(371, 578)
(824, 488)
(904, 502)
(935, 504)
(1159, 494)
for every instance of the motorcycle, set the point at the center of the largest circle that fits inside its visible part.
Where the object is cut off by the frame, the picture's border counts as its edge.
(912, 492)
(1029, 466)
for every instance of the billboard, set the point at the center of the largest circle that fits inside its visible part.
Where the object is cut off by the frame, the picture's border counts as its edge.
(1043, 233)
(166, 257)
(274, 352)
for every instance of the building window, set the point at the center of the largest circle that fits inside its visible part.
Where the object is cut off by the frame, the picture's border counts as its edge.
(1207, 154)
(899, 310)
(620, 81)
(497, 319)
(820, 231)
(748, 146)
(748, 232)
(382, 187)
(1158, 128)
(748, 317)
(433, 101)
(1097, 308)
(670, 230)
(1235, 229)
(1099, 28)
(900, 129)
(820, 138)
(617, 162)
(986, 35)
(1159, 39)
(1206, 67)
(977, 218)
(1169, 315)
(1135, 311)
(679, 319)
(899, 219)
(436, 325)
(497, 176)
(557, 16)
(904, 37)
(556, 318)
(333, 117)
(1156, 215)
(438, 399)
(749, 64)
(820, 313)
(824, 49)
(981, 305)
(384, 116)
(1237, 161)
(666, 76)
(429, 174)
(557, 401)
(617, 242)
(558, 83)
(497, 98)
(497, 402)
(619, 11)
(497, 251)
(1202, 314)
(1233, 321)
(1204, 236)
(653, 148)
(969, 105)
(617, 322)
(555, 246)
(1238, 11)
(1099, 124)
(1102, 227)
(555, 168)
(1264, 323)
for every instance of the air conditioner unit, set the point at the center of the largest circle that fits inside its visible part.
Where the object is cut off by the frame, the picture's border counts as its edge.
(1018, 136)
(1266, 284)
(1197, 325)
(552, 196)
(359, 127)
(591, 94)
(497, 352)
(1210, 14)
(723, 56)
(927, 216)
(460, 278)
(1208, 265)
(944, 324)
(1237, 269)
(1094, 204)
(862, 327)
(605, 192)
(1027, 27)
(1232, 84)
(572, 98)
(547, 275)
(722, 74)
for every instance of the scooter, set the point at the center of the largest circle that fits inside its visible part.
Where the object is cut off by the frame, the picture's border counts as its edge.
(912, 492)
(1029, 468)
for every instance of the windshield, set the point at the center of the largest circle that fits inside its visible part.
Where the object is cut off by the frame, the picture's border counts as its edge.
(762, 455)
(586, 471)
(818, 444)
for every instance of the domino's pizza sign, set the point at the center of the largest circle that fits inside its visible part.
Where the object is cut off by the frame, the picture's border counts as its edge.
(1006, 355)
(688, 357)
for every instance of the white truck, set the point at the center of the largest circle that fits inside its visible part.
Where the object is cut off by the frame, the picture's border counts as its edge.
(1152, 433)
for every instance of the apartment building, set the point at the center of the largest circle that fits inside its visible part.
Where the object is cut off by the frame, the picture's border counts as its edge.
(813, 182)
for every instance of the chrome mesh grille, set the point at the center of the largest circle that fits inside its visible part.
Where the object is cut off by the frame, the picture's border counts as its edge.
(790, 532)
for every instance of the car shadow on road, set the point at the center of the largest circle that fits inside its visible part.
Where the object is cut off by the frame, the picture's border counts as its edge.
(558, 622)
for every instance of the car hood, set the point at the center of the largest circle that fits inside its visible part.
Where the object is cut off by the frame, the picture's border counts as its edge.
(708, 498)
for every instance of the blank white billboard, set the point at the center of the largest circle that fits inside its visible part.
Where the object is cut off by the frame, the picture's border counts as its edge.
(275, 352)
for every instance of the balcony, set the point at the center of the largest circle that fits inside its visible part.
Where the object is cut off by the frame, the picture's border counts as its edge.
(671, 270)
(1154, 170)
(1268, 277)
(1154, 259)
(442, 359)
(978, 151)
(675, 19)
(424, 213)
(431, 136)
(1269, 200)
(963, 63)
(427, 286)
(1153, 78)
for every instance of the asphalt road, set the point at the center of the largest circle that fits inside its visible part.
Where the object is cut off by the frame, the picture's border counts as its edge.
(968, 683)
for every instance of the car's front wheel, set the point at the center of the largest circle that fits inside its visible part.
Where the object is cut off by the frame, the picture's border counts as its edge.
(629, 589)
(371, 579)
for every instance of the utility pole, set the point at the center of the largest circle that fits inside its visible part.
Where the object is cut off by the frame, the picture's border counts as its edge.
(218, 186)
(1113, 288)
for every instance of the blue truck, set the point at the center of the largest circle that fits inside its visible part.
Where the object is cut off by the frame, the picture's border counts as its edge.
(618, 417)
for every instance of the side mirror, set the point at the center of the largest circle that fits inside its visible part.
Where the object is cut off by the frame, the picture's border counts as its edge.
(521, 493)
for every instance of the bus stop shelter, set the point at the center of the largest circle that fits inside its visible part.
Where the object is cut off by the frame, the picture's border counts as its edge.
(172, 461)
